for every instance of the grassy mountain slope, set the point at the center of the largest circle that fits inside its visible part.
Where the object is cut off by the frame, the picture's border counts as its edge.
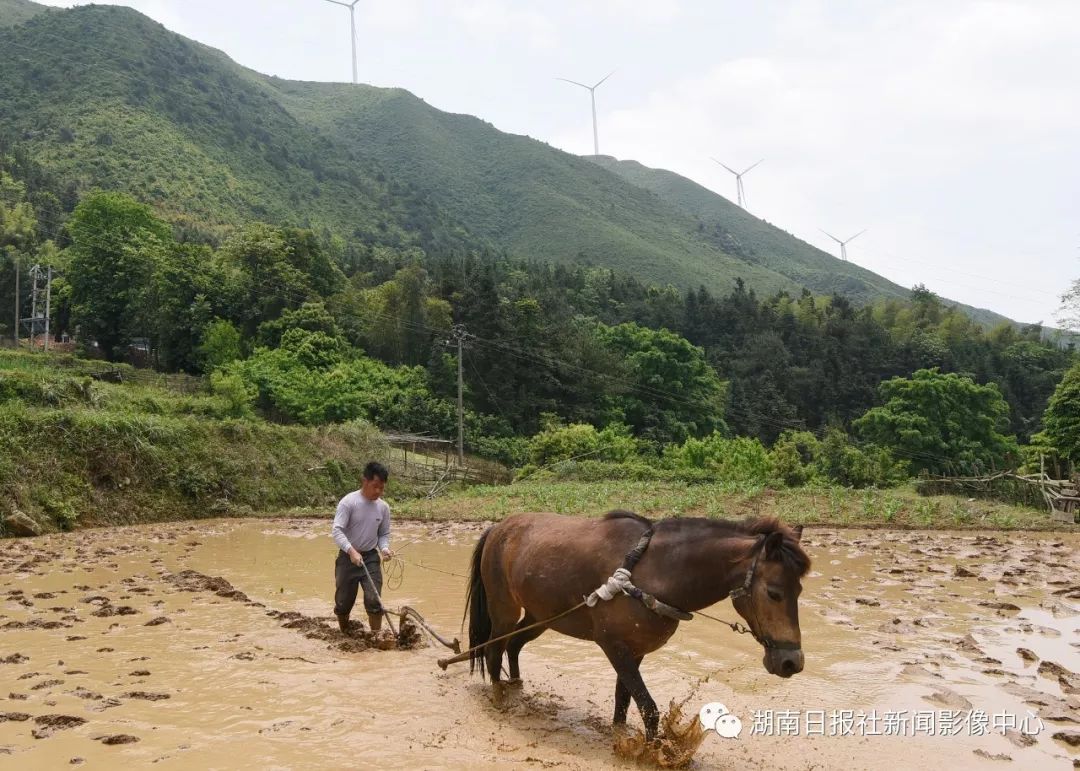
(528, 198)
(755, 240)
(106, 97)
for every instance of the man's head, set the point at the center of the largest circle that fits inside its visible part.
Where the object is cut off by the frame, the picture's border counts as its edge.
(375, 476)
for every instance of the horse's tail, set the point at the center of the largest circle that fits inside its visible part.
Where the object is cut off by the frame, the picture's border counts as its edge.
(476, 603)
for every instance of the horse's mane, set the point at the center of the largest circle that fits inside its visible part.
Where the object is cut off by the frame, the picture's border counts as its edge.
(790, 553)
(623, 514)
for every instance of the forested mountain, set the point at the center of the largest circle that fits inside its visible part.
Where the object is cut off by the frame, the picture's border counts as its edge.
(739, 232)
(104, 97)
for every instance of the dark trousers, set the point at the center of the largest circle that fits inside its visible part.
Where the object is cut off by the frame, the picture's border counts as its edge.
(349, 576)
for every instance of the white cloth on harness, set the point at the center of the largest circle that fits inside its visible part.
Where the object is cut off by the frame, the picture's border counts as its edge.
(617, 584)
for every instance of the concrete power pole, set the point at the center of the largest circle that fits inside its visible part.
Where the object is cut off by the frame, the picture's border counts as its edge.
(16, 332)
(39, 300)
(48, 301)
(459, 335)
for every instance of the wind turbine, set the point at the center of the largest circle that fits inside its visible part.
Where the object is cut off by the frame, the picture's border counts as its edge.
(352, 23)
(592, 95)
(843, 244)
(739, 189)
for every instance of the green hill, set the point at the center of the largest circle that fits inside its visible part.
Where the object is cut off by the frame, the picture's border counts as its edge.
(527, 198)
(102, 96)
(105, 97)
(755, 240)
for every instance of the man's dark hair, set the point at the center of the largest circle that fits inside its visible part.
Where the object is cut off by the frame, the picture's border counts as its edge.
(376, 469)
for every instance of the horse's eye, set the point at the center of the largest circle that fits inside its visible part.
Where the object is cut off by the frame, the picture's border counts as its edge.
(774, 595)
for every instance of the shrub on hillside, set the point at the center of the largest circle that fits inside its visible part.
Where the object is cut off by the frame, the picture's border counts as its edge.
(729, 460)
(842, 462)
(581, 440)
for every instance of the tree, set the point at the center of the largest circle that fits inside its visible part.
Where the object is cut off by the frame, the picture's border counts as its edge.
(1069, 313)
(17, 229)
(673, 392)
(1061, 421)
(942, 423)
(220, 345)
(117, 245)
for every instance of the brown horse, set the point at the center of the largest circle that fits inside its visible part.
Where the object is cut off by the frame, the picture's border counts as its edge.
(544, 564)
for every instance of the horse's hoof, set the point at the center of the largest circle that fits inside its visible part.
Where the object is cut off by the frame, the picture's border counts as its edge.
(515, 683)
(498, 694)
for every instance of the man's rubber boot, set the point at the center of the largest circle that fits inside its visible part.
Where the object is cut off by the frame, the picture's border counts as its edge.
(374, 621)
(343, 624)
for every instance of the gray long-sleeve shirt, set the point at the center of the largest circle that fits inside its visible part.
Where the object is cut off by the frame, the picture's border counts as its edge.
(361, 524)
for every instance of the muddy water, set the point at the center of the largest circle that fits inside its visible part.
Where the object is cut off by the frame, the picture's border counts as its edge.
(94, 627)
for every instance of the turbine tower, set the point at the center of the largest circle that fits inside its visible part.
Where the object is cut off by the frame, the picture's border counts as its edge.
(843, 244)
(739, 189)
(592, 95)
(352, 24)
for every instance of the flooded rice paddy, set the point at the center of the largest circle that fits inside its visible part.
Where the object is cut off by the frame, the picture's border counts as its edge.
(211, 645)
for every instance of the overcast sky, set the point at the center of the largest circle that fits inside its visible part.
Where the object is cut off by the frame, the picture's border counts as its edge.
(950, 129)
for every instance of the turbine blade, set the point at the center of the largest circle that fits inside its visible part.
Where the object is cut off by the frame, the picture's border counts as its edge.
(856, 235)
(750, 167)
(565, 80)
(603, 79)
(725, 166)
(834, 238)
(338, 2)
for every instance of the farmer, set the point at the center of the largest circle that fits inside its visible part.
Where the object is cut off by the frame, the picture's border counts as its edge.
(361, 531)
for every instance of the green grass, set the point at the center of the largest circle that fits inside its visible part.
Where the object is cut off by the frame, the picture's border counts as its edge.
(898, 508)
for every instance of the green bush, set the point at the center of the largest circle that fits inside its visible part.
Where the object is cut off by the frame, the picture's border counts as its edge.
(238, 395)
(581, 440)
(634, 470)
(845, 464)
(729, 460)
(793, 458)
(220, 345)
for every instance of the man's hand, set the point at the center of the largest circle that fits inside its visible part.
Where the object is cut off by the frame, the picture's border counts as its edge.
(354, 557)
(387, 554)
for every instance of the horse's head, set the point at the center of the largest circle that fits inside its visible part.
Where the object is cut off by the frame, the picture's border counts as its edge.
(770, 603)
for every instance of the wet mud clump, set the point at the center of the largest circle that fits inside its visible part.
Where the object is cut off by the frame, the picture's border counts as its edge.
(358, 638)
(194, 581)
(312, 627)
(47, 725)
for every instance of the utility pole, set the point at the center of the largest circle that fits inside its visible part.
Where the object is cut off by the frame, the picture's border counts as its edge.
(39, 299)
(48, 300)
(16, 259)
(35, 273)
(459, 333)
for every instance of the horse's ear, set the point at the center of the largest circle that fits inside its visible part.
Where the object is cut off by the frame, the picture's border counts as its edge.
(797, 530)
(773, 543)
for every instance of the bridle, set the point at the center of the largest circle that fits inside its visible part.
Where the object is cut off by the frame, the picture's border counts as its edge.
(744, 591)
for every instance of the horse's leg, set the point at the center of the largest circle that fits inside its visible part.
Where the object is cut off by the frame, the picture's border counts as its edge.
(504, 617)
(517, 642)
(622, 699)
(627, 668)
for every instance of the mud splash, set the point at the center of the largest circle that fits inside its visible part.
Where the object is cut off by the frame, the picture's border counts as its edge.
(679, 739)
(198, 645)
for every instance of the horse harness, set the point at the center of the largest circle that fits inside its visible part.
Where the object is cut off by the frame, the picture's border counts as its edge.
(620, 582)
